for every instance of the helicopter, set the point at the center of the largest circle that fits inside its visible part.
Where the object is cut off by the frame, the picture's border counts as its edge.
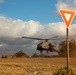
(46, 45)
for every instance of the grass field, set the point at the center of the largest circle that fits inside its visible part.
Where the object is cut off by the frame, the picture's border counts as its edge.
(32, 66)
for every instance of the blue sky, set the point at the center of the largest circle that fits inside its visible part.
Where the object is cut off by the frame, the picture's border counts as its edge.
(38, 10)
(43, 11)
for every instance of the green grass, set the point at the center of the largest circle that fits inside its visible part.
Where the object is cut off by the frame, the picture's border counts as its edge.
(63, 71)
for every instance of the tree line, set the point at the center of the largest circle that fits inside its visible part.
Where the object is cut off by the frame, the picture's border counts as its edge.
(62, 51)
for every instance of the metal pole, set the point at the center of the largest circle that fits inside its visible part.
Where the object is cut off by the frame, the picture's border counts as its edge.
(67, 50)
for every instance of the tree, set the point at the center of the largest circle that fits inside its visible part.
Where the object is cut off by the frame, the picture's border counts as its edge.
(72, 48)
(20, 54)
(3, 56)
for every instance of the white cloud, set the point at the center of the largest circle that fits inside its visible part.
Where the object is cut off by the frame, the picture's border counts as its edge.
(2, 1)
(65, 4)
(12, 29)
(1, 45)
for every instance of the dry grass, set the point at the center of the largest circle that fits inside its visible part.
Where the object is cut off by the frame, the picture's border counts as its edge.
(32, 66)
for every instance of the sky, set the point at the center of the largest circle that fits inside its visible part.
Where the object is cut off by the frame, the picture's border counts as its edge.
(38, 10)
(32, 18)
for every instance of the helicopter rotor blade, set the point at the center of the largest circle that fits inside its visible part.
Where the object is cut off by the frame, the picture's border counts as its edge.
(33, 38)
(53, 38)
(59, 38)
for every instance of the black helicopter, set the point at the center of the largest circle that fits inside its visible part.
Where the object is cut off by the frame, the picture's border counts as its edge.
(45, 46)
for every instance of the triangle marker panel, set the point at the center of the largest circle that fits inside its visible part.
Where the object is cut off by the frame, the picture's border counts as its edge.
(67, 16)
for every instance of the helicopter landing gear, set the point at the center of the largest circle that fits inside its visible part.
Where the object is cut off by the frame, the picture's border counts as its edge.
(47, 52)
(41, 52)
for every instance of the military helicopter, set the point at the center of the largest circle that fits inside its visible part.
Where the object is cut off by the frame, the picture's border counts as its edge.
(46, 45)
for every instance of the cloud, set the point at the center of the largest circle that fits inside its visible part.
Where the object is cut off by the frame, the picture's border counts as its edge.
(65, 4)
(2, 1)
(16, 28)
(11, 32)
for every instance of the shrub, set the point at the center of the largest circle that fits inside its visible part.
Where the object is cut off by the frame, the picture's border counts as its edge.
(63, 71)
(3, 56)
(20, 54)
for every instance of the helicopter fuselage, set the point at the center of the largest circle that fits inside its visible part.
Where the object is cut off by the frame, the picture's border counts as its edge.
(46, 46)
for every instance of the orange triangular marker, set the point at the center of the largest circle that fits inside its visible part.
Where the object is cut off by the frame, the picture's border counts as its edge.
(67, 16)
